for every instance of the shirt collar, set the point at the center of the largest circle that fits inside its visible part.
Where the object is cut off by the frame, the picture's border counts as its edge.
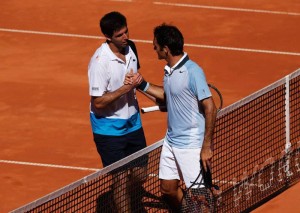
(179, 63)
(112, 56)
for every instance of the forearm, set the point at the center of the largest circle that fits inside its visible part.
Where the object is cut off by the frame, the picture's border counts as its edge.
(157, 92)
(209, 130)
(210, 119)
(108, 98)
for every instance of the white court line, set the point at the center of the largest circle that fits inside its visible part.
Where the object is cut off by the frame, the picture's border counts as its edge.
(122, 0)
(47, 165)
(150, 42)
(228, 8)
(57, 166)
(51, 33)
(243, 49)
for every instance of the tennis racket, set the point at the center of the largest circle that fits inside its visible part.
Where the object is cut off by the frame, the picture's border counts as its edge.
(216, 95)
(201, 198)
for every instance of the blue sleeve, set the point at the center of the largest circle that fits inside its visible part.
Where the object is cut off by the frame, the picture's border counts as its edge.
(197, 83)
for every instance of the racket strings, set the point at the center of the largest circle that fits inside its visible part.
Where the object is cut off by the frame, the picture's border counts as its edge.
(201, 198)
(198, 200)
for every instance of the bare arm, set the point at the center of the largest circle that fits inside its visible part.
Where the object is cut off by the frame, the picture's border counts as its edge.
(157, 92)
(210, 113)
(107, 98)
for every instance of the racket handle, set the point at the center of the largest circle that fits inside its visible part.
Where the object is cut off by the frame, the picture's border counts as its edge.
(153, 108)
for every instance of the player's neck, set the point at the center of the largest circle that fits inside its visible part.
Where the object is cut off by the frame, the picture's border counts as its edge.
(116, 49)
(172, 60)
(119, 52)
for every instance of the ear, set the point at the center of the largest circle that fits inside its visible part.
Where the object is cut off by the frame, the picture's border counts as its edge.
(107, 37)
(166, 50)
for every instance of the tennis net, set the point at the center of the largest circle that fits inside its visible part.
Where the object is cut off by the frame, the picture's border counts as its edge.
(256, 156)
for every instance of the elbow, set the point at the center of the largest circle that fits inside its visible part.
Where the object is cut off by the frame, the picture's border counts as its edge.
(97, 104)
(215, 110)
(211, 111)
(160, 101)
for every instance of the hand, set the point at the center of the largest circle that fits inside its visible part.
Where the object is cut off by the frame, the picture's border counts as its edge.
(206, 156)
(129, 78)
(133, 79)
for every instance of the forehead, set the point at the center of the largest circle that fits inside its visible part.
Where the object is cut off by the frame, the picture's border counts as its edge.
(120, 31)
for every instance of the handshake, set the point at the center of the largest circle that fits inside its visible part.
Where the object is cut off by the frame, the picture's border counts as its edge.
(136, 80)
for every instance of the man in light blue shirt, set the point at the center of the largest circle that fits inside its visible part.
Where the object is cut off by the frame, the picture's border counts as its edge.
(191, 115)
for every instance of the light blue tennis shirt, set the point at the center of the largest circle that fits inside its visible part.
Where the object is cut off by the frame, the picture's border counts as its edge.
(185, 85)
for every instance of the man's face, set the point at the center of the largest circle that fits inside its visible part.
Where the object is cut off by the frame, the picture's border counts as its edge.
(120, 38)
(161, 54)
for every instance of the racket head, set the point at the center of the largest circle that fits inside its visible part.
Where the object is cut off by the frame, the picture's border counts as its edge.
(200, 198)
(217, 96)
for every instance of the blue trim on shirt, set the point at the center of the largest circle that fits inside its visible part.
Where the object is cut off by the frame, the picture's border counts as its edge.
(115, 126)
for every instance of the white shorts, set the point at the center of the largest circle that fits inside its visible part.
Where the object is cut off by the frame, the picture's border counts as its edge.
(180, 164)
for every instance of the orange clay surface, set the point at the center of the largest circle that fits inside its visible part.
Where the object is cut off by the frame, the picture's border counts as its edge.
(44, 100)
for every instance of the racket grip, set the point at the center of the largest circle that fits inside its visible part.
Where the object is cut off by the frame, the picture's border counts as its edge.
(153, 108)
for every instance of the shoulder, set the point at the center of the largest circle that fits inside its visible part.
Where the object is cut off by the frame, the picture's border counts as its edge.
(193, 67)
(99, 62)
(131, 44)
(195, 72)
(100, 55)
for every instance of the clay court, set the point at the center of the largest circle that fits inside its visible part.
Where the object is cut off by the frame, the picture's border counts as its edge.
(45, 47)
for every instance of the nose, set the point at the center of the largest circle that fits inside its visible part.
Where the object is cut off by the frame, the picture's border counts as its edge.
(125, 36)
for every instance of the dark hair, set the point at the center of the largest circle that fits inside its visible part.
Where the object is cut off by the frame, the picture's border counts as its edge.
(170, 36)
(112, 22)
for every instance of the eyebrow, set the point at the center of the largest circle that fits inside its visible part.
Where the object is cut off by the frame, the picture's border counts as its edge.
(120, 34)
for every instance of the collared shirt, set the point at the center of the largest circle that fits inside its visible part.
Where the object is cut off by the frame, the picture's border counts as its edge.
(106, 73)
(185, 85)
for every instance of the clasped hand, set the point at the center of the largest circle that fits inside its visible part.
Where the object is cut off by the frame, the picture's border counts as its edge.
(133, 79)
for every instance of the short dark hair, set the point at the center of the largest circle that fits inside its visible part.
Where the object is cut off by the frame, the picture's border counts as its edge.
(112, 22)
(170, 36)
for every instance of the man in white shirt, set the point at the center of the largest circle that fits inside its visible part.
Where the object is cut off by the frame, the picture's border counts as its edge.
(114, 110)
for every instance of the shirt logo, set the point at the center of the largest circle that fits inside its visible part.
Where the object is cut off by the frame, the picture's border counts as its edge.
(98, 58)
(95, 88)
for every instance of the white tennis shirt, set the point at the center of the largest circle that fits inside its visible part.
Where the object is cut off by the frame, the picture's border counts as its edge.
(106, 73)
(185, 85)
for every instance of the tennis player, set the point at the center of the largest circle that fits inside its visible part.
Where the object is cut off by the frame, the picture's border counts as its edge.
(191, 115)
(114, 111)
